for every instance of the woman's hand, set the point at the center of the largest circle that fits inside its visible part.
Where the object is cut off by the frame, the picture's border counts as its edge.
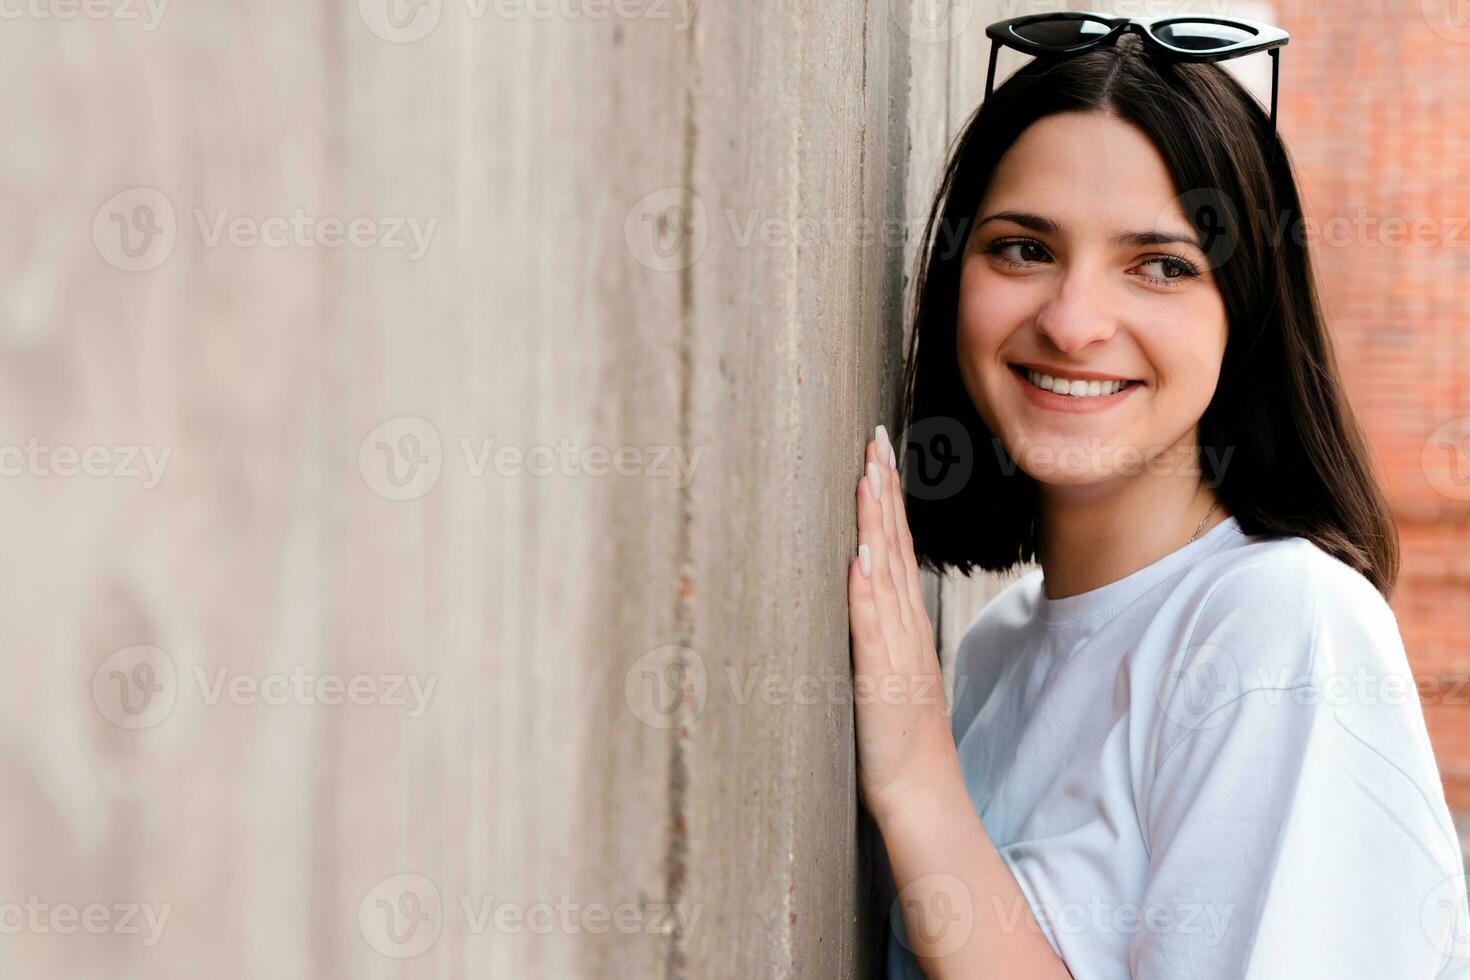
(905, 748)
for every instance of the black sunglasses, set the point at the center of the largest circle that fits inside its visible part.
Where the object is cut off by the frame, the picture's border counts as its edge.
(1176, 38)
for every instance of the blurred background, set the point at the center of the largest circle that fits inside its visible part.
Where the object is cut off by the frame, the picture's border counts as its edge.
(428, 438)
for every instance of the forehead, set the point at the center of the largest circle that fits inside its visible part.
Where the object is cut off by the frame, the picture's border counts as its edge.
(1088, 171)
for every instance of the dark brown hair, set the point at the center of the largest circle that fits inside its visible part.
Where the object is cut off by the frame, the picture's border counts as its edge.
(1295, 461)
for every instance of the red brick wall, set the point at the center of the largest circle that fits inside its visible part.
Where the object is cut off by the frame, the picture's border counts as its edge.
(1375, 108)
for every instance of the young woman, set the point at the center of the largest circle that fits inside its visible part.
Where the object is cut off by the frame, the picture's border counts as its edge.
(1189, 745)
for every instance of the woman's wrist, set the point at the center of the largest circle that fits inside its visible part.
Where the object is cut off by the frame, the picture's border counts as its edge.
(930, 789)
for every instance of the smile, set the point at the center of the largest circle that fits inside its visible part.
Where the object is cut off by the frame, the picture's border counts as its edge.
(1072, 394)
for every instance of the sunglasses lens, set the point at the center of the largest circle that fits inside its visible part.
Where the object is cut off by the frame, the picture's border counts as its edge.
(1061, 33)
(1202, 35)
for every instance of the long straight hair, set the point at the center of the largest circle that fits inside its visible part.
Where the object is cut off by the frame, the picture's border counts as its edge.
(1278, 441)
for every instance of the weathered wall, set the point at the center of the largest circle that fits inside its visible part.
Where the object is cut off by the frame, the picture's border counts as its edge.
(419, 652)
(332, 513)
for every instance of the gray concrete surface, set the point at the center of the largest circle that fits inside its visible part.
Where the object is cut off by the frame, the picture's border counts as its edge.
(574, 689)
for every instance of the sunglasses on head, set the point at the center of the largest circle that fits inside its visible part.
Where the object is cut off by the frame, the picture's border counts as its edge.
(1183, 38)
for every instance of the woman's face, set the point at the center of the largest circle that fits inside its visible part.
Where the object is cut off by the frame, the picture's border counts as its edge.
(1051, 286)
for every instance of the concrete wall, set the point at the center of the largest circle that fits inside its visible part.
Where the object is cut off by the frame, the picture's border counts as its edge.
(327, 632)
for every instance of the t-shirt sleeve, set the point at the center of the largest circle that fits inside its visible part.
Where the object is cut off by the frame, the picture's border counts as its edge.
(1295, 822)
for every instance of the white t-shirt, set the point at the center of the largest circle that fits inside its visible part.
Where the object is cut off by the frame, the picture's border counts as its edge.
(1213, 768)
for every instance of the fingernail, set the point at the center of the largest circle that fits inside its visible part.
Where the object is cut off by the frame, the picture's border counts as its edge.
(865, 563)
(885, 446)
(875, 481)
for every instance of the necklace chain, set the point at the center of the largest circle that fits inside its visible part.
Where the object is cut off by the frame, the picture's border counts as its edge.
(1202, 521)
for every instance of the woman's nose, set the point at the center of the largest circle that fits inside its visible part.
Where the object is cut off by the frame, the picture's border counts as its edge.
(1079, 313)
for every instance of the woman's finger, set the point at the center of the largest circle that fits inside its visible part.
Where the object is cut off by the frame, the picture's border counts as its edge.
(882, 451)
(870, 533)
(906, 549)
(867, 631)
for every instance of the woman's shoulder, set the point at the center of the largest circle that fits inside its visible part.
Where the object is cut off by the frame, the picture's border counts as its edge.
(1278, 625)
(1286, 602)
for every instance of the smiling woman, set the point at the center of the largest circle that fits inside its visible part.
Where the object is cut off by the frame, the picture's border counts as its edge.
(1152, 769)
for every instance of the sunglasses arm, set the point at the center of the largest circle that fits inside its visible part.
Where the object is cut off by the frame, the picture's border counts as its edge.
(1275, 85)
(990, 76)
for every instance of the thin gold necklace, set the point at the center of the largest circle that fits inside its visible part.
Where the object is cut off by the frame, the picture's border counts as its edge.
(1202, 521)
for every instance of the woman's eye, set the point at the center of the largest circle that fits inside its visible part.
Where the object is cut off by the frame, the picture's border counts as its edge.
(1026, 250)
(1168, 270)
(1172, 269)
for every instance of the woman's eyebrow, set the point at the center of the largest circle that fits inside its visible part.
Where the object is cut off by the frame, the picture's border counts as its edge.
(1047, 226)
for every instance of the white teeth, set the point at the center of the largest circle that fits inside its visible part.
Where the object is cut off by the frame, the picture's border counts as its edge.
(1077, 389)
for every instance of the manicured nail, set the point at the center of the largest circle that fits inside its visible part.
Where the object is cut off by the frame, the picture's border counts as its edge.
(865, 562)
(875, 481)
(885, 447)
